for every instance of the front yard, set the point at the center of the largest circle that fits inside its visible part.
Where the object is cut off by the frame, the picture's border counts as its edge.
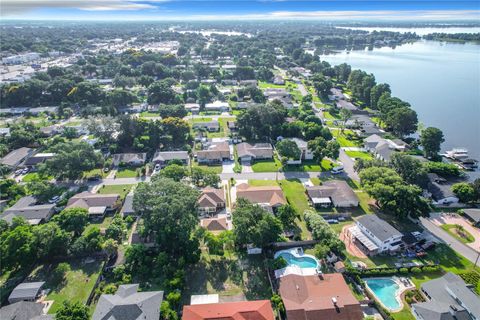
(121, 189)
(128, 172)
(359, 155)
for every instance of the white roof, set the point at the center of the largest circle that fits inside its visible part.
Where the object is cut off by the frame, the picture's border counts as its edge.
(96, 210)
(204, 299)
(321, 200)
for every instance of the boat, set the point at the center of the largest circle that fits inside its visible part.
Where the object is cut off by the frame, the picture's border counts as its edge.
(457, 154)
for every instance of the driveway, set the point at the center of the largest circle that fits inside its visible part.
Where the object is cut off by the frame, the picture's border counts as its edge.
(348, 165)
(440, 219)
(227, 166)
(247, 167)
(456, 245)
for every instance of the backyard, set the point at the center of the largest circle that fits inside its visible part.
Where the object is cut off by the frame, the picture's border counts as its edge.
(78, 283)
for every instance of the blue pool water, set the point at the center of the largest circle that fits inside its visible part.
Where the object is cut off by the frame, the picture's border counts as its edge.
(386, 291)
(303, 262)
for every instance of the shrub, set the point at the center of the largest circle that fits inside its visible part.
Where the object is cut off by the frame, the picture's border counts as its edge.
(59, 273)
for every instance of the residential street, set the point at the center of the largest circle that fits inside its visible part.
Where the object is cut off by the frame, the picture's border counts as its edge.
(456, 245)
(348, 165)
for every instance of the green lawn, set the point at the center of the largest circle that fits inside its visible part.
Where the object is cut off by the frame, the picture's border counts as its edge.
(98, 224)
(213, 168)
(200, 119)
(266, 165)
(359, 154)
(127, 172)
(296, 197)
(121, 189)
(34, 176)
(461, 235)
(261, 183)
(310, 166)
(149, 114)
(77, 286)
(95, 172)
(266, 85)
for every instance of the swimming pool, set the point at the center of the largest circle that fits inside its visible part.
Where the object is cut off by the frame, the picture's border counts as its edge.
(386, 291)
(302, 262)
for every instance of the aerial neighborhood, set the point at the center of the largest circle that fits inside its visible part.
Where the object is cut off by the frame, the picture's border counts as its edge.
(161, 171)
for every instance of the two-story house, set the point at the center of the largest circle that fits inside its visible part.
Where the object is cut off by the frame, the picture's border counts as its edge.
(376, 235)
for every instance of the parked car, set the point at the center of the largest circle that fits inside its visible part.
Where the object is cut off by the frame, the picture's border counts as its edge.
(54, 199)
(337, 170)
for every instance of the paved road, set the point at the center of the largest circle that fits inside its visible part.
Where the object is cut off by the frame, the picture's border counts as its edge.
(348, 165)
(456, 245)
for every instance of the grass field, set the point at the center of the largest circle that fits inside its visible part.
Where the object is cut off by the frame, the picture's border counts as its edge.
(121, 189)
(149, 114)
(461, 235)
(34, 176)
(78, 284)
(127, 172)
(296, 197)
(359, 155)
(266, 165)
(261, 183)
(214, 169)
(95, 172)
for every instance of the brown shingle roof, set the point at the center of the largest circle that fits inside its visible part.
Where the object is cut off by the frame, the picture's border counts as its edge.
(242, 310)
(87, 199)
(215, 151)
(258, 150)
(337, 190)
(310, 298)
(214, 224)
(211, 197)
(273, 195)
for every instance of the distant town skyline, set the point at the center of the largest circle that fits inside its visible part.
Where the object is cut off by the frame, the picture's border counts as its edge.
(241, 10)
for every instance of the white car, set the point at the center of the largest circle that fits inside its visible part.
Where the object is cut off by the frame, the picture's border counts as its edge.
(54, 199)
(338, 170)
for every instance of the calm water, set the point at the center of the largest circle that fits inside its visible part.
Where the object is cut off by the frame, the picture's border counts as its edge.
(440, 80)
(386, 291)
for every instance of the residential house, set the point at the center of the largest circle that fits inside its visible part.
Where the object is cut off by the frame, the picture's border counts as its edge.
(24, 310)
(240, 310)
(344, 104)
(194, 108)
(383, 148)
(131, 159)
(38, 158)
(127, 208)
(15, 157)
(314, 297)
(259, 151)
(335, 193)
(232, 126)
(441, 190)
(217, 106)
(211, 201)
(473, 215)
(5, 132)
(97, 204)
(336, 94)
(211, 126)
(214, 153)
(26, 291)
(376, 235)
(269, 197)
(216, 225)
(27, 208)
(163, 158)
(249, 83)
(305, 152)
(448, 298)
(129, 304)
(245, 105)
(279, 80)
(276, 93)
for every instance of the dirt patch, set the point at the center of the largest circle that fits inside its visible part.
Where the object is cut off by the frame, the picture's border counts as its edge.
(351, 246)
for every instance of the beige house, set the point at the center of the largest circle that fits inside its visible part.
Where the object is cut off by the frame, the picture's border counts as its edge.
(268, 197)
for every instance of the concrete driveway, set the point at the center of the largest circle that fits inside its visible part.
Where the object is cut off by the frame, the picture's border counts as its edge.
(440, 219)
(247, 167)
(227, 166)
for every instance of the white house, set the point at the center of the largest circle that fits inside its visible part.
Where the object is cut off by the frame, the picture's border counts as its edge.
(376, 235)
(217, 106)
(305, 153)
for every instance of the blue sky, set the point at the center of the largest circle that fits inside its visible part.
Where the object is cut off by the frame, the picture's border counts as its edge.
(239, 9)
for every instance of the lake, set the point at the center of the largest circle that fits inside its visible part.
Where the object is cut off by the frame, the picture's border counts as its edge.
(419, 31)
(440, 80)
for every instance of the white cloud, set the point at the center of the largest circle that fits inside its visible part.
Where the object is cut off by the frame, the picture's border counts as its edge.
(16, 7)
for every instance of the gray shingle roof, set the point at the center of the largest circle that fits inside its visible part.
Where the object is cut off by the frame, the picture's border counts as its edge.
(337, 190)
(128, 205)
(15, 157)
(26, 291)
(378, 227)
(170, 155)
(22, 310)
(473, 214)
(128, 304)
(447, 290)
(26, 208)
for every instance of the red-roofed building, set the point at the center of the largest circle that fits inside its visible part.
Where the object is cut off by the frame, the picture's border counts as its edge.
(243, 310)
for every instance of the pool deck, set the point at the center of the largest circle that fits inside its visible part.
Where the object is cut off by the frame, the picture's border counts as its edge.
(401, 289)
(294, 269)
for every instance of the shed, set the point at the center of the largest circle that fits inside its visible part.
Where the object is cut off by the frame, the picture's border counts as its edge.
(27, 291)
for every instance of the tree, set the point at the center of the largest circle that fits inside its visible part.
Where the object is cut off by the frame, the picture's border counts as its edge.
(51, 240)
(203, 177)
(254, 225)
(174, 172)
(175, 111)
(288, 149)
(116, 230)
(43, 190)
(169, 212)
(321, 251)
(464, 192)
(443, 169)
(402, 121)
(321, 149)
(410, 169)
(431, 139)
(177, 130)
(110, 246)
(345, 115)
(72, 220)
(161, 92)
(376, 92)
(322, 231)
(287, 215)
(262, 122)
(16, 247)
(60, 272)
(72, 311)
(71, 160)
